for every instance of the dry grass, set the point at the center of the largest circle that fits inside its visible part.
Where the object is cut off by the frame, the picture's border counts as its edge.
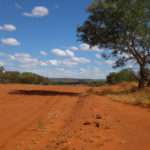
(141, 97)
(126, 93)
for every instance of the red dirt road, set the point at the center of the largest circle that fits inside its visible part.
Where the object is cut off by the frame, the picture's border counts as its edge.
(67, 118)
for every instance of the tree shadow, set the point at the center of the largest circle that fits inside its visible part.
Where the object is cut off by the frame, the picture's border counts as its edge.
(43, 93)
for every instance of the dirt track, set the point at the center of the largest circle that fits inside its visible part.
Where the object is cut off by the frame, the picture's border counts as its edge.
(67, 118)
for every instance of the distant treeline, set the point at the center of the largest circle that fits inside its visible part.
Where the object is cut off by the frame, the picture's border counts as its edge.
(17, 77)
(32, 78)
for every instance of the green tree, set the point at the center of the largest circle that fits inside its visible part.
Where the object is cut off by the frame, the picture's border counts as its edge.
(2, 69)
(122, 26)
(123, 75)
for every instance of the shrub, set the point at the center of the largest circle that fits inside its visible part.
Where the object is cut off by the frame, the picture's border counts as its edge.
(123, 75)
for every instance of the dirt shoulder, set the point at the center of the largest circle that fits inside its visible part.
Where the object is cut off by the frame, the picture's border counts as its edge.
(67, 118)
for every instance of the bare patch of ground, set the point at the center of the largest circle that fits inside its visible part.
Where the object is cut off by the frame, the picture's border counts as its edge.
(69, 118)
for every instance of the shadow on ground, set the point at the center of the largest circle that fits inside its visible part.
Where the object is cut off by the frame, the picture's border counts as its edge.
(43, 93)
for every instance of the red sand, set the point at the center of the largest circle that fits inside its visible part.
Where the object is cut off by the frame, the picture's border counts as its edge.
(60, 118)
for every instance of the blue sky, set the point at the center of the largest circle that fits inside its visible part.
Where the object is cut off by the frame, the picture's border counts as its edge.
(40, 36)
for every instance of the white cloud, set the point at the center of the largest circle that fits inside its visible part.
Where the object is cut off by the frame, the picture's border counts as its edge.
(67, 67)
(110, 62)
(44, 53)
(84, 47)
(26, 60)
(58, 52)
(53, 62)
(96, 48)
(42, 63)
(62, 53)
(105, 62)
(126, 55)
(10, 42)
(91, 73)
(69, 62)
(72, 59)
(38, 11)
(8, 27)
(75, 61)
(98, 56)
(81, 60)
(69, 53)
(74, 48)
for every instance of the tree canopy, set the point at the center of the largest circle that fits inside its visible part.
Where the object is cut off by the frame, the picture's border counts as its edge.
(121, 76)
(122, 26)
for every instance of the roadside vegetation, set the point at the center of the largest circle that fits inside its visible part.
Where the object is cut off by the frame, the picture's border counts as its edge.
(124, 75)
(119, 86)
(125, 92)
(122, 29)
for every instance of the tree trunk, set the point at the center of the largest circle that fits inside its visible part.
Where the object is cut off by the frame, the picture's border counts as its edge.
(142, 77)
(141, 84)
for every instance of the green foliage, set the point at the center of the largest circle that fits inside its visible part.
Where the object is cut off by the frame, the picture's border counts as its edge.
(122, 26)
(114, 22)
(17, 77)
(123, 75)
(32, 78)
(27, 77)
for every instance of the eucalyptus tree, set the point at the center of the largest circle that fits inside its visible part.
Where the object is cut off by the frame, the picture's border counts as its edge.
(123, 26)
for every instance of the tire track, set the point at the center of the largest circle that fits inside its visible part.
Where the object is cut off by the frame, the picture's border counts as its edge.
(30, 120)
(70, 124)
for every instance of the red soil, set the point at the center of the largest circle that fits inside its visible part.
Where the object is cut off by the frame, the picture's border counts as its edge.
(66, 118)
